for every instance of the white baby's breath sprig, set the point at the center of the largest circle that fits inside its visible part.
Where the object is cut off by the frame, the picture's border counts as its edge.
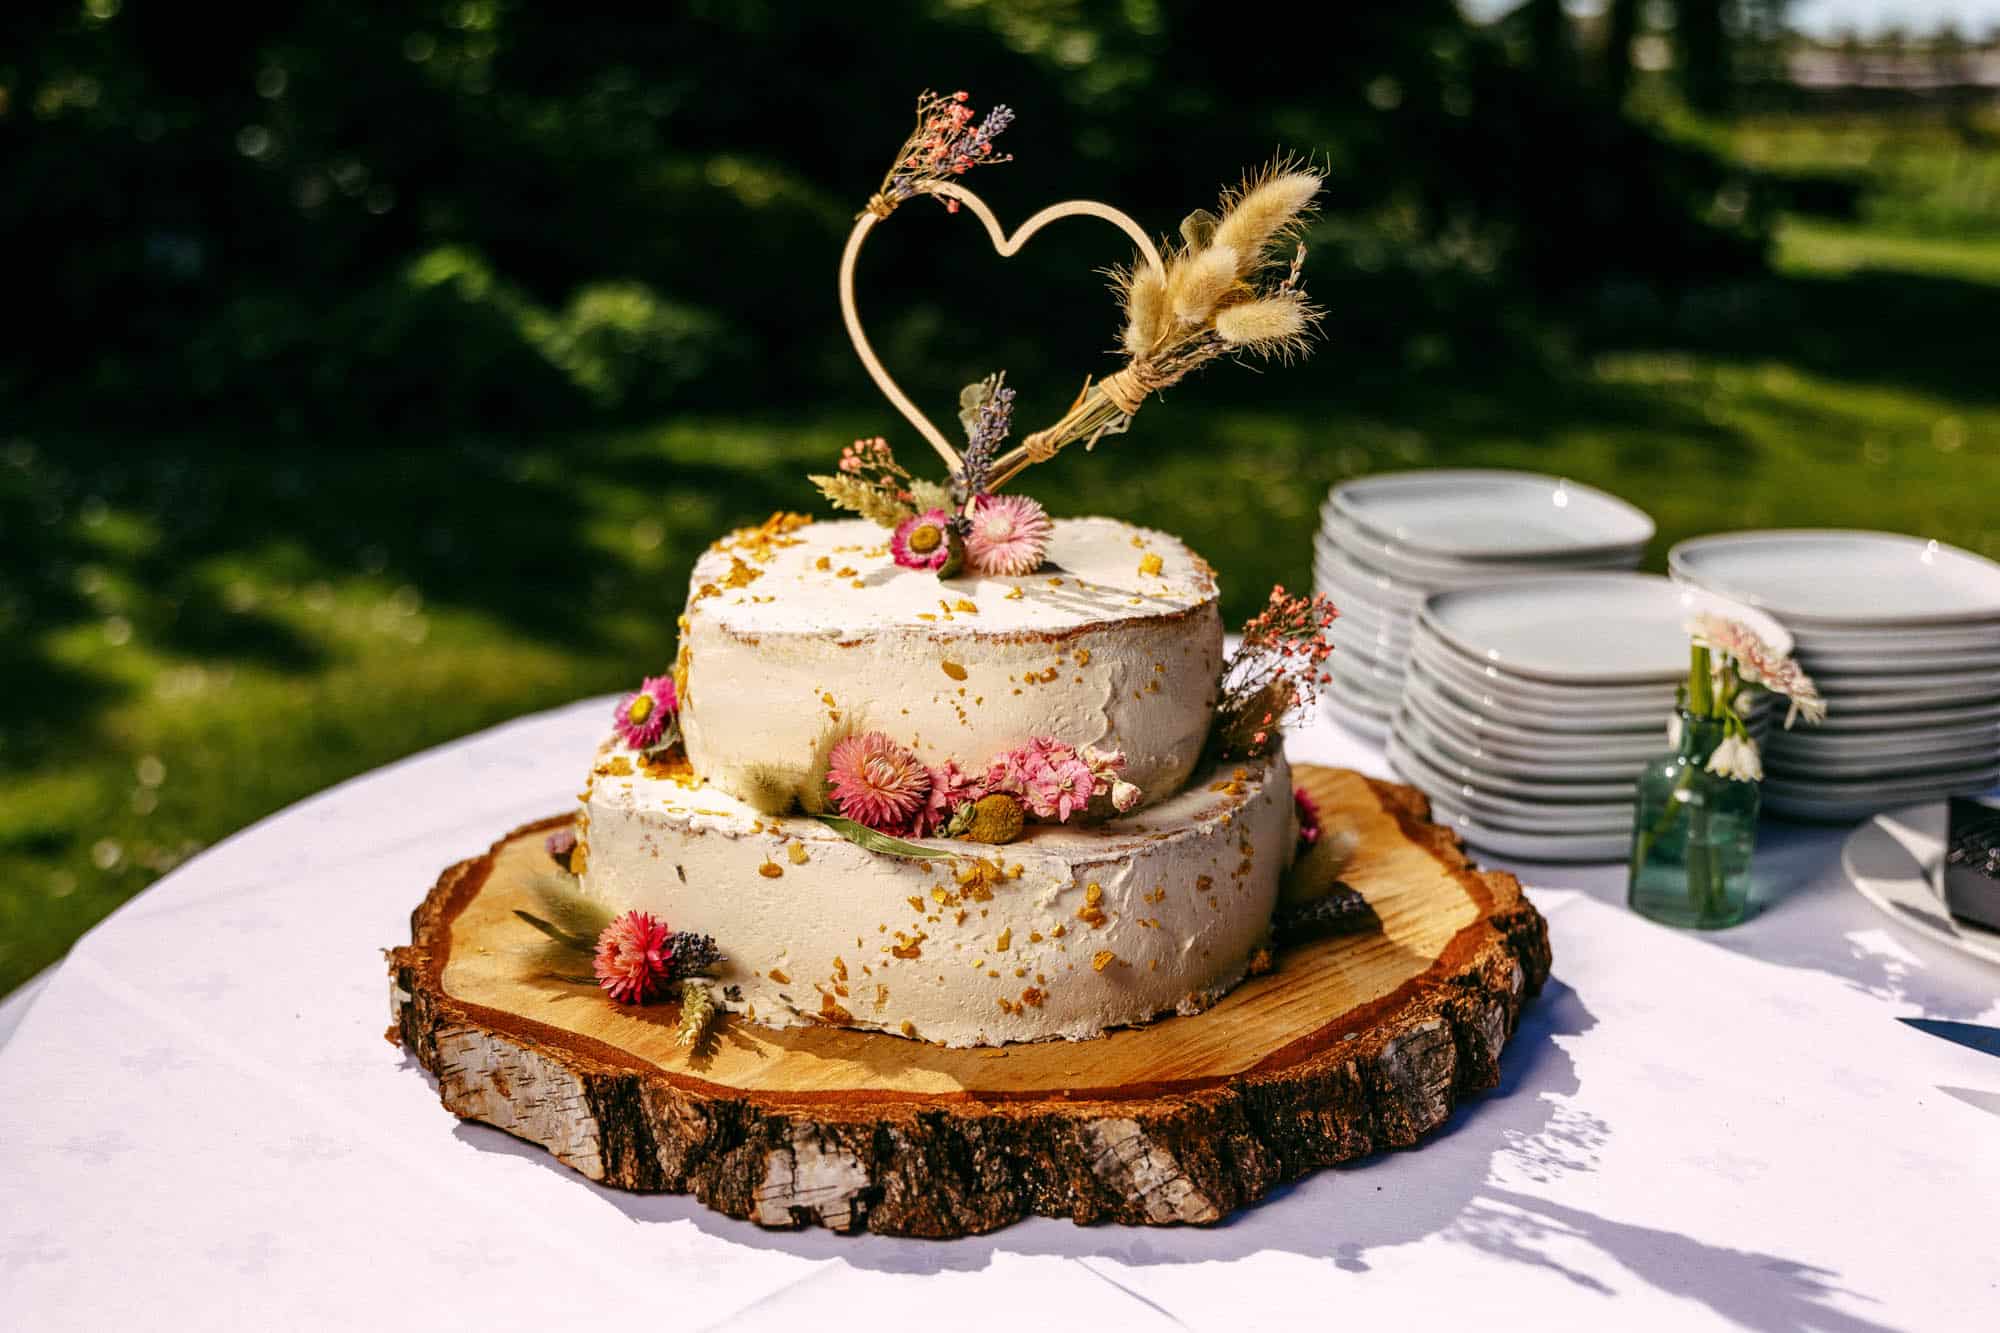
(1737, 757)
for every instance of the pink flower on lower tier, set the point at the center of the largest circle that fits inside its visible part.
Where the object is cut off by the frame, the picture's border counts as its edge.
(951, 787)
(642, 716)
(634, 958)
(924, 542)
(877, 782)
(1308, 810)
(1060, 789)
(1009, 535)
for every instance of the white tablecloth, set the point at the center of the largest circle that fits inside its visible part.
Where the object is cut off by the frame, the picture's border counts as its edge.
(202, 1126)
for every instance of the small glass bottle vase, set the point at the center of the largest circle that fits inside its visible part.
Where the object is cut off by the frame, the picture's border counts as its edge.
(1692, 836)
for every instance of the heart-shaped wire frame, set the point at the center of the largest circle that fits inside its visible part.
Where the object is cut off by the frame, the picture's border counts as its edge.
(1006, 245)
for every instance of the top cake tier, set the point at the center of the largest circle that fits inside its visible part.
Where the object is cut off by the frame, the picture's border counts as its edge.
(797, 636)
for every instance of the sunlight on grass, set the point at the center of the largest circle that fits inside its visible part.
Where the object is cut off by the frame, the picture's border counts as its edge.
(214, 629)
(1810, 245)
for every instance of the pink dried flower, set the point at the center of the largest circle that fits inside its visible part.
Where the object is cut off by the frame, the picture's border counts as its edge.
(945, 143)
(951, 787)
(1275, 673)
(634, 958)
(1758, 663)
(643, 715)
(924, 541)
(1058, 790)
(1010, 770)
(1009, 536)
(1125, 797)
(877, 782)
(1308, 810)
(561, 845)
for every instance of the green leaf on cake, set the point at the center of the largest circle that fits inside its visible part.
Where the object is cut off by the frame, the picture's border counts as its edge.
(870, 840)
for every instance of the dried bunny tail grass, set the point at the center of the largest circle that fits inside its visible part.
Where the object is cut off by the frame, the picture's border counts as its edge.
(1143, 290)
(1276, 326)
(1265, 209)
(1198, 282)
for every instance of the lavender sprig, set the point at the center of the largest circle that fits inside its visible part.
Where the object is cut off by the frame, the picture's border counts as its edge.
(986, 410)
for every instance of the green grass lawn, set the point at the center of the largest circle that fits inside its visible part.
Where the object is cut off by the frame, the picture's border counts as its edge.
(194, 634)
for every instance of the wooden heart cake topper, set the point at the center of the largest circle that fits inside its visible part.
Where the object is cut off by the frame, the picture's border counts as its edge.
(1007, 246)
(1230, 286)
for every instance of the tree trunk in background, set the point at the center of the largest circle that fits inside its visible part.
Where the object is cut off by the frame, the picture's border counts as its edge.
(1548, 38)
(1702, 54)
(1621, 28)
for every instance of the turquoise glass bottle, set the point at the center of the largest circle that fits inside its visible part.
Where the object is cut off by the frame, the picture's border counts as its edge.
(1693, 835)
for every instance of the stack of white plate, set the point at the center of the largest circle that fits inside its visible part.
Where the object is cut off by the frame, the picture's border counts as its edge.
(1387, 542)
(1903, 637)
(1532, 706)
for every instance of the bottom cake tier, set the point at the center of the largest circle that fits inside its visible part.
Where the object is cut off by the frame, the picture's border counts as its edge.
(1064, 933)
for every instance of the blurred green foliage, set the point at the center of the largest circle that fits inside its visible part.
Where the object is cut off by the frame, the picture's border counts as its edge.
(384, 367)
(492, 211)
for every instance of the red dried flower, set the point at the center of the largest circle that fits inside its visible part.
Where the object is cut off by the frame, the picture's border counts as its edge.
(634, 959)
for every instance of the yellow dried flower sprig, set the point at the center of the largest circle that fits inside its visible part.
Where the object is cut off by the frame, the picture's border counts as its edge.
(698, 1013)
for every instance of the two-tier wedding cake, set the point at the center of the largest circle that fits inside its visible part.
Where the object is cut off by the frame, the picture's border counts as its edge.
(1113, 646)
(952, 769)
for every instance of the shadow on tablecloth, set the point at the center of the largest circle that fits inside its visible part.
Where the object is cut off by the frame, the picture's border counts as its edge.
(1527, 1130)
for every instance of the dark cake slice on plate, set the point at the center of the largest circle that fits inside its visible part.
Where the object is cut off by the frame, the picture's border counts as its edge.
(1972, 862)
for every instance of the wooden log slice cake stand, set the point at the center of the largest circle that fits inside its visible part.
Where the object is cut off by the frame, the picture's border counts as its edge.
(1350, 1045)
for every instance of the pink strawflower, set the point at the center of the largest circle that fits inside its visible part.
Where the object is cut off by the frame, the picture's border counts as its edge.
(951, 787)
(1758, 663)
(1010, 535)
(1308, 816)
(1058, 790)
(643, 715)
(877, 782)
(923, 542)
(634, 959)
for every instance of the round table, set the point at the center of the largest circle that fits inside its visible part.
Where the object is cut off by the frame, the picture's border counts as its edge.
(201, 1124)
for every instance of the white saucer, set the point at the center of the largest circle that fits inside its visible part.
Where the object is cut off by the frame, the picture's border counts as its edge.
(1635, 746)
(1525, 845)
(1583, 629)
(1487, 702)
(1911, 660)
(1434, 572)
(1893, 641)
(1526, 765)
(1362, 719)
(1425, 743)
(1970, 684)
(1835, 801)
(1804, 740)
(1388, 595)
(1608, 817)
(1790, 766)
(1836, 577)
(1480, 514)
(1914, 719)
(1447, 662)
(1893, 860)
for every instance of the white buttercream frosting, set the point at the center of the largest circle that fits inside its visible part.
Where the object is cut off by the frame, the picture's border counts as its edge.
(795, 637)
(1079, 929)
